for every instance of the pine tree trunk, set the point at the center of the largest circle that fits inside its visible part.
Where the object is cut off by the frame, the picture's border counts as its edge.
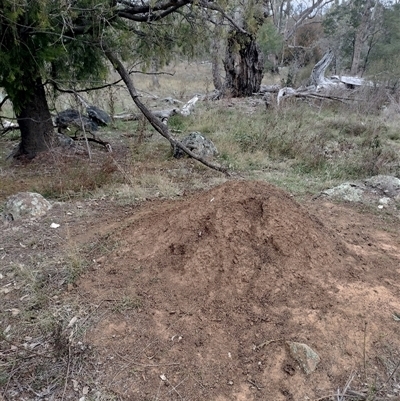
(35, 123)
(244, 65)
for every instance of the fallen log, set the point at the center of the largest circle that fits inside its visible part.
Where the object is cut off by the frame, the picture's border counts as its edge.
(321, 87)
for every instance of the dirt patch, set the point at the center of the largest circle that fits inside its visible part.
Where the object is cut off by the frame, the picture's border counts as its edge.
(207, 290)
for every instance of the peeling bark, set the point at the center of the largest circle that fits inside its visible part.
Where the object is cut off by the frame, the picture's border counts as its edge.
(244, 65)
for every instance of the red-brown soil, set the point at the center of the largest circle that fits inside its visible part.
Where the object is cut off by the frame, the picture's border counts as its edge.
(210, 287)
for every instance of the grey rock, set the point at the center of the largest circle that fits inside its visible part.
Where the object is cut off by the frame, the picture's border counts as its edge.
(381, 189)
(198, 144)
(348, 191)
(387, 184)
(26, 205)
(307, 358)
(65, 141)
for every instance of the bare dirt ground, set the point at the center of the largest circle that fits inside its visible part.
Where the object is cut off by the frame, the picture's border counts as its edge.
(223, 278)
(195, 298)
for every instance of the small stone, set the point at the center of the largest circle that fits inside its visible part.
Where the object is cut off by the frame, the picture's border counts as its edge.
(304, 355)
(26, 205)
(384, 201)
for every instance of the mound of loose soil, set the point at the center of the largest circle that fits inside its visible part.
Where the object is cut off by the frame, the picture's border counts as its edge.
(206, 291)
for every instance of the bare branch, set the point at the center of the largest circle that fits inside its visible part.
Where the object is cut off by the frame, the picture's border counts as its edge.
(154, 121)
(215, 7)
(304, 15)
(148, 14)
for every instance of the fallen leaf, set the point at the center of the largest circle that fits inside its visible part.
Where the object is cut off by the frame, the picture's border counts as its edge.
(72, 322)
(75, 384)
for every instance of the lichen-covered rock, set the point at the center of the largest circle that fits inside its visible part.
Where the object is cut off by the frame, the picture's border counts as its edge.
(26, 205)
(387, 184)
(307, 358)
(198, 144)
(351, 192)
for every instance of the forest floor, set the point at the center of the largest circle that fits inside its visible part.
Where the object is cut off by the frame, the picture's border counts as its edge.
(194, 294)
(196, 298)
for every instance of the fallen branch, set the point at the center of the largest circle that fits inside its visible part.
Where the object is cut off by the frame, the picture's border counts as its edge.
(125, 117)
(154, 121)
(107, 145)
(163, 115)
(320, 85)
(189, 106)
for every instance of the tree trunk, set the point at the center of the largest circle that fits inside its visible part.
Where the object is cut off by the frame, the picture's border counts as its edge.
(154, 69)
(360, 37)
(35, 123)
(215, 56)
(244, 65)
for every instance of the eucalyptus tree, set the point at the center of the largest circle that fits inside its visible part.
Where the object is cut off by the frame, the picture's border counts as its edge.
(352, 28)
(244, 60)
(384, 55)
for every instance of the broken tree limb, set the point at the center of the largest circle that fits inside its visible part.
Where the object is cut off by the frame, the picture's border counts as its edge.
(7, 126)
(285, 92)
(269, 89)
(154, 121)
(189, 106)
(318, 73)
(290, 92)
(321, 86)
(163, 115)
(171, 100)
(125, 117)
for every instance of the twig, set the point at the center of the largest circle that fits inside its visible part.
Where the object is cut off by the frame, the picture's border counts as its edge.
(346, 387)
(254, 384)
(257, 347)
(11, 375)
(364, 349)
(323, 398)
(174, 387)
(146, 365)
(351, 394)
(357, 394)
(387, 381)
(2, 337)
(67, 374)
